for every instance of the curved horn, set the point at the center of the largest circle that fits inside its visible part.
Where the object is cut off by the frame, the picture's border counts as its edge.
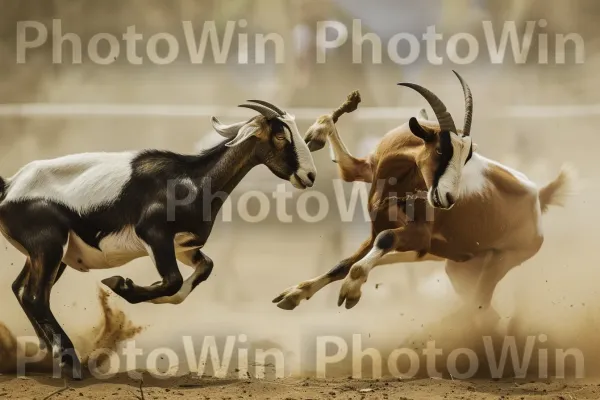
(468, 104)
(441, 113)
(267, 112)
(228, 131)
(269, 105)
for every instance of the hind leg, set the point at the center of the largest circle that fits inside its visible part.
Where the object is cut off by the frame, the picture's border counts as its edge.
(43, 238)
(18, 288)
(475, 281)
(464, 277)
(45, 266)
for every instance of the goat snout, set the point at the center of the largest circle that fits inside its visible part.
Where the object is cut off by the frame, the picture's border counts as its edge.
(450, 199)
(305, 178)
(438, 200)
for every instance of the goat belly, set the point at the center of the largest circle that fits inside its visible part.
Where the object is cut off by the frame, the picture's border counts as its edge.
(113, 251)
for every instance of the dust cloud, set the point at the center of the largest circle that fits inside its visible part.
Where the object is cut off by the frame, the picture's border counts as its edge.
(113, 328)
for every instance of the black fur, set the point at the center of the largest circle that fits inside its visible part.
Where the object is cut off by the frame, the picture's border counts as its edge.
(419, 131)
(470, 154)
(2, 188)
(447, 152)
(386, 241)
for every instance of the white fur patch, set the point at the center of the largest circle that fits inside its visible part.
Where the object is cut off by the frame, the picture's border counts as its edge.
(538, 215)
(116, 250)
(185, 290)
(368, 262)
(521, 177)
(82, 182)
(124, 242)
(450, 181)
(473, 180)
(306, 164)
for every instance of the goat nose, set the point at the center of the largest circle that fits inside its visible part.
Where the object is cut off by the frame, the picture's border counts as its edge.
(311, 176)
(450, 199)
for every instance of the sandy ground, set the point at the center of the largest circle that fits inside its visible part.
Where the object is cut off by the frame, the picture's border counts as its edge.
(344, 388)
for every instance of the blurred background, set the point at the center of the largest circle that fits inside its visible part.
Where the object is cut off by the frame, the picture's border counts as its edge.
(531, 116)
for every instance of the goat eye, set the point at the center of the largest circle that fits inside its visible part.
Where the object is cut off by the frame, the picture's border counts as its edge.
(438, 151)
(280, 137)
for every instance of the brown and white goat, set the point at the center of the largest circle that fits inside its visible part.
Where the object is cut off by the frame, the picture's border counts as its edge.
(485, 220)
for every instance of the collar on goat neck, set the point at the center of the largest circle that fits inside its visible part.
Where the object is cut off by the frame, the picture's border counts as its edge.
(400, 200)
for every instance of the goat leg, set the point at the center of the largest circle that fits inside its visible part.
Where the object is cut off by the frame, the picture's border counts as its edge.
(202, 269)
(292, 296)
(414, 238)
(162, 250)
(351, 168)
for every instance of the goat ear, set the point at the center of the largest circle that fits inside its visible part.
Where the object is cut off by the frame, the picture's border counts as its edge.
(419, 131)
(245, 132)
(228, 131)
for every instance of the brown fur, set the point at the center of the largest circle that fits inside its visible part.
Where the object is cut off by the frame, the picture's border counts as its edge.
(482, 237)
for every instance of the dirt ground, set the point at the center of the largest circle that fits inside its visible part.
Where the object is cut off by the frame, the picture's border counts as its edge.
(211, 388)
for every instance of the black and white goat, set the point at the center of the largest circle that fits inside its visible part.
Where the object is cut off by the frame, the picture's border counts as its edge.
(102, 210)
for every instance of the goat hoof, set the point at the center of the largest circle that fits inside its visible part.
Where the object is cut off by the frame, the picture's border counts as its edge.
(71, 368)
(292, 296)
(341, 299)
(278, 298)
(287, 304)
(351, 303)
(350, 291)
(348, 302)
(315, 145)
(118, 284)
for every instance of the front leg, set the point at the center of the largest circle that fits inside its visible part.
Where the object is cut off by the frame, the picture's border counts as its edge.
(351, 169)
(202, 269)
(413, 238)
(161, 248)
(291, 297)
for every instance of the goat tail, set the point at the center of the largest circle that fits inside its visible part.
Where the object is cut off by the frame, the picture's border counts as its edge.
(562, 187)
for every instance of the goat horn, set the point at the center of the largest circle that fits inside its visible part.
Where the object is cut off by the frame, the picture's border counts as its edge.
(468, 104)
(441, 113)
(269, 105)
(267, 112)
